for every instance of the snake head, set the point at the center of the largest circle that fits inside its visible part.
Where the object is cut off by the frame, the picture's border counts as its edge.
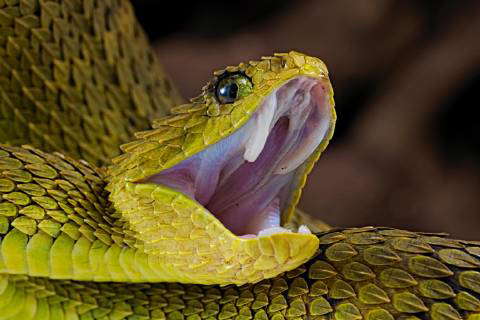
(207, 192)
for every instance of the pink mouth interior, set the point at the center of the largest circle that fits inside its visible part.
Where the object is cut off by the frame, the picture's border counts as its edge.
(247, 196)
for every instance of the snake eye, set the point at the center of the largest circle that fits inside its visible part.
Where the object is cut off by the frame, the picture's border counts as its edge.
(233, 87)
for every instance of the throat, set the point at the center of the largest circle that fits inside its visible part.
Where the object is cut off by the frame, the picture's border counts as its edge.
(251, 192)
(245, 196)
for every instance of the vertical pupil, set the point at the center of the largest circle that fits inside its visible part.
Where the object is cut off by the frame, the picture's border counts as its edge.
(232, 90)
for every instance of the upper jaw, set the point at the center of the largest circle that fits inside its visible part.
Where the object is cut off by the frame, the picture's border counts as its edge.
(246, 179)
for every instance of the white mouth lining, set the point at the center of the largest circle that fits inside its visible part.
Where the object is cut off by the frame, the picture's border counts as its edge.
(304, 101)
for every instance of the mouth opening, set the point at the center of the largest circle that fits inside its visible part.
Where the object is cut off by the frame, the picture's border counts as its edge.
(245, 180)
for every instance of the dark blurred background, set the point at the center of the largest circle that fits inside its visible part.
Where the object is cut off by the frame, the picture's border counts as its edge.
(406, 75)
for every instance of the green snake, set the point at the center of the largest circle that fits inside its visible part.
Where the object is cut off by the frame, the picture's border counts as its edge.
(193, 217)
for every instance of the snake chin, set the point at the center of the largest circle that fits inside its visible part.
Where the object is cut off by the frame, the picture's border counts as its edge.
(245, 180)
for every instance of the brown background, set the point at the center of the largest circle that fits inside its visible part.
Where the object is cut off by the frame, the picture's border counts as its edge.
(407, 83)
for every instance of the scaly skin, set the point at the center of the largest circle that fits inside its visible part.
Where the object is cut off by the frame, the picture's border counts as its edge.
(57, 221)
(77, 77)
(360, 273)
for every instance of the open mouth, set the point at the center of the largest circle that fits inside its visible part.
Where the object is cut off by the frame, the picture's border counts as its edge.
(245, 180)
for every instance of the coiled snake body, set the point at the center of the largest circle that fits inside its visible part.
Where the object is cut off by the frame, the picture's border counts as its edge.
(196, 218)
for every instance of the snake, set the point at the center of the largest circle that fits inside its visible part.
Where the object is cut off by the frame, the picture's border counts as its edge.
(121, 200)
